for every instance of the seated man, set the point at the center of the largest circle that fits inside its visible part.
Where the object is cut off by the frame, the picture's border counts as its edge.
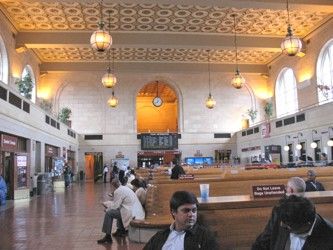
(124, 206)
(312, 184)
(301, 228)
(176, 171)
(184, 233)
(140, 191)
(295, 186)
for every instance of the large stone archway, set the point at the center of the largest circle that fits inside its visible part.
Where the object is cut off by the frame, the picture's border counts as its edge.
(152, 119)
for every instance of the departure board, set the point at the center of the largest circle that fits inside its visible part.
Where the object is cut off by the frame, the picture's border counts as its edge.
(167, 141)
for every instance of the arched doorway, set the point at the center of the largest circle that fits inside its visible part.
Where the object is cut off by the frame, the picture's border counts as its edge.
(153, 118)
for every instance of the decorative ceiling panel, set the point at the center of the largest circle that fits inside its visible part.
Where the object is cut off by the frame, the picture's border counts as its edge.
(169, 33)
(155, 55)
(157, 17)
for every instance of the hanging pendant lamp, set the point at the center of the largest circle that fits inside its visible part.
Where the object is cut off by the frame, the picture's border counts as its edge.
(113, 101)
(210, 102)
(109, 79)
(238, 80)
(101, 39)
(291, 45)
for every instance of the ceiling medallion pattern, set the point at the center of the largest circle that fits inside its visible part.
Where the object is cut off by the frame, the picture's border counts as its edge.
(158, 17)
(155, 54)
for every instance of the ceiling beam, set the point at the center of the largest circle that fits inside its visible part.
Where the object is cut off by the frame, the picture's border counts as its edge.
(304, 5)
(146, 67)
(148, 40)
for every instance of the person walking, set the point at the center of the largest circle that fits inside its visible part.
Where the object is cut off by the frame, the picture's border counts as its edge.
(105, 172)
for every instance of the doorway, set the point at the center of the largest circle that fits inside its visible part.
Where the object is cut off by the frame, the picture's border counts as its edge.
(93, 166)
(8, 173)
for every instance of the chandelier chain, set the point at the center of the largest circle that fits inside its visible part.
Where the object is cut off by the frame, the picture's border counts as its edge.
(235, 42)
(288, 13)
(209, 72)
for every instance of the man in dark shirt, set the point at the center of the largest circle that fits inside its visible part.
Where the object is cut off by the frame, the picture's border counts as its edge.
(312, 184)
(300, 227)
(176, 171)
(184, 233)
(295, 186)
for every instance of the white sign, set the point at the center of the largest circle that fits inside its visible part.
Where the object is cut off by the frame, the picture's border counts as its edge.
(22, 161)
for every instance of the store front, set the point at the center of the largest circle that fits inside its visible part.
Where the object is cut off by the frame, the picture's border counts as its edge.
(51, 155)
(15, 163)
(148, 159)
(71, 160)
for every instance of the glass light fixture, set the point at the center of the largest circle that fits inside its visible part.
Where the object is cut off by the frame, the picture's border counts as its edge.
(330, 143)
(109, 79)
(313, 145)
(101, 39)
(286, 148)
(238, 80)
(113, 101)
(210, 102)
(298, 146)
(291, 45)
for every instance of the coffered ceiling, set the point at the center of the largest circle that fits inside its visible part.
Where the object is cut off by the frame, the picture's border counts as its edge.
(161, 35)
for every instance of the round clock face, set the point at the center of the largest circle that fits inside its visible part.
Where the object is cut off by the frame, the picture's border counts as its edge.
(157, 101)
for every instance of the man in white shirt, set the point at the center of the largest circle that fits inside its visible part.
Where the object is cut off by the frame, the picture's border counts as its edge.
(185, 233)
(295, 186)
(124, 207)
(301, 228)
(105, 173)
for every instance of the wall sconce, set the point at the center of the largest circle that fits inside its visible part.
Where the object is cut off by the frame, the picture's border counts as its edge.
(313, 143)
(330, 141)
(286, 147)
(299, 146)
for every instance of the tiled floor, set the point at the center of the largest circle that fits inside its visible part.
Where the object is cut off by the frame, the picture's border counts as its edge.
(66, 219)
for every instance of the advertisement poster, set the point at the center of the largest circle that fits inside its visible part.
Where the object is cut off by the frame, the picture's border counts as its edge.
(265, 130)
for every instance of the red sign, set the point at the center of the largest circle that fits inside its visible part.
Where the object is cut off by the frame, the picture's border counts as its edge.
(268, 191)
(8, 142)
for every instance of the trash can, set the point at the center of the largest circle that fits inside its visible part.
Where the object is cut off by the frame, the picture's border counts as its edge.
(44, 184)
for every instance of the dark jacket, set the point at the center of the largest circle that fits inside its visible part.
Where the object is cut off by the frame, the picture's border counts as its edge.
(196, 238)
(177, 171)
(263, 241)
(275, 236)
(313, 186)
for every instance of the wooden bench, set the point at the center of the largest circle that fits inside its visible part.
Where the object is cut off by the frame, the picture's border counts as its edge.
(238, 220)
(234, 182)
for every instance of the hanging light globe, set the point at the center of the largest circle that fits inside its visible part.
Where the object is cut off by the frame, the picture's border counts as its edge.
(101, 40)
(286, 148)
(298, 146)
(210, 102)
(109, 80)
(291, 45)
(113, 101)
(238, 80)
(330, 143)
(313, 145)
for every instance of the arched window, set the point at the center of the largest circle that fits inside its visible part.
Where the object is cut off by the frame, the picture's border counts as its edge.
(325, 73)
(28, 73)
(3, 62)
(286, 93)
